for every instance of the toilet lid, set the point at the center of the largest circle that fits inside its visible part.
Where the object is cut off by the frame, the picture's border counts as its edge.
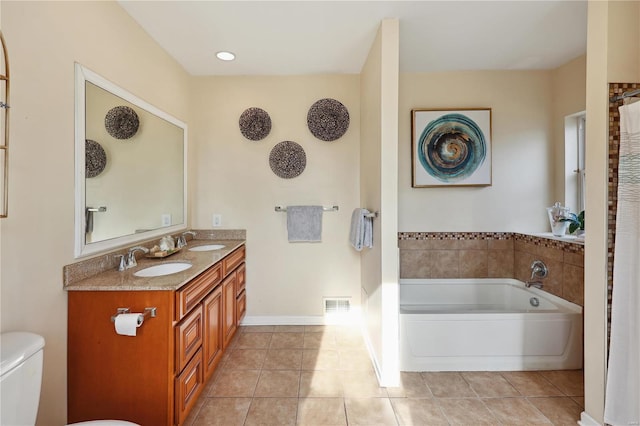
(105, 423)
(16, 347)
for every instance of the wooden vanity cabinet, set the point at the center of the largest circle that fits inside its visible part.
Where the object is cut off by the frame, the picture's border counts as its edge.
(156, 377)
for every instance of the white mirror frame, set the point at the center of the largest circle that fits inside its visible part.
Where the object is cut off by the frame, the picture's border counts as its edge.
(82, 75)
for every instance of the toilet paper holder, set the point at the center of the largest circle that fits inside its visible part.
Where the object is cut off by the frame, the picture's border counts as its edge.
(148, 313)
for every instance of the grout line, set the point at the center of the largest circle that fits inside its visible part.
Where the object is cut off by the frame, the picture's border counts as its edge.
(540, 411)
(468, 384)
(491, 411)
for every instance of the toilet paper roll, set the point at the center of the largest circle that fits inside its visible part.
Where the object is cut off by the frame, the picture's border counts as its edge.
(126, 324)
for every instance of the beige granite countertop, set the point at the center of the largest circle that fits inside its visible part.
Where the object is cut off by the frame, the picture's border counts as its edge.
(114, 280)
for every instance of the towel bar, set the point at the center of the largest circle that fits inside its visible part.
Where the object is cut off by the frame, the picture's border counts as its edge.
(326, 209)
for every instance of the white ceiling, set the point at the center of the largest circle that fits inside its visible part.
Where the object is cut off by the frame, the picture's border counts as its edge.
(316, 37)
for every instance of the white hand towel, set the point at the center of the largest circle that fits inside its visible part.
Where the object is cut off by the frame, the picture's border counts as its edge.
(304, 223)
(367, 239)
(361, 232)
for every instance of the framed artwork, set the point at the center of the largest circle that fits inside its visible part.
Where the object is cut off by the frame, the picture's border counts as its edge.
(451, 147)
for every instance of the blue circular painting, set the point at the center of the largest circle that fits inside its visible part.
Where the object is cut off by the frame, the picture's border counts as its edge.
(451, 148)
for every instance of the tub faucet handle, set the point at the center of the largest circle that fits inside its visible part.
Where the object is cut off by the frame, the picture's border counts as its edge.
(538, 270)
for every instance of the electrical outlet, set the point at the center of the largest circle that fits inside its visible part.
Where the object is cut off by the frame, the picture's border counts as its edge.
(217, 220)
(166, 219)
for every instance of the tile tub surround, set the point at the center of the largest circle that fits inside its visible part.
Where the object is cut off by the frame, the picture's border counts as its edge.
(267, 378)
(493, 255)
(87, 268)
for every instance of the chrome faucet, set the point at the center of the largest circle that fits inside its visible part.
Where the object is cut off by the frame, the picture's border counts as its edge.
(131, 256)
(536, 284)
(122, 264)
(182, 241)
(538, 272)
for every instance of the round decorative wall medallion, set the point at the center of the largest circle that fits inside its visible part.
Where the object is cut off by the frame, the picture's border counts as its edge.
(121, 122)
(328, 119)
(95, 159)
(287, 159)
(255, 123)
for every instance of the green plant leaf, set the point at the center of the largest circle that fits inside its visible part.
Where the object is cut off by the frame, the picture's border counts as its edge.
(573, 227)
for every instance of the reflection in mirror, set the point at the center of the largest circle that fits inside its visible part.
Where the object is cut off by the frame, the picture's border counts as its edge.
(130, 167)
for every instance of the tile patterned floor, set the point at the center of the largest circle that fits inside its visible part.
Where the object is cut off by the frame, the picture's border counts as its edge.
(322, 375)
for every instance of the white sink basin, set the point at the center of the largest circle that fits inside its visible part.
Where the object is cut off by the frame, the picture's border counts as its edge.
(207, 247)
(162, 269)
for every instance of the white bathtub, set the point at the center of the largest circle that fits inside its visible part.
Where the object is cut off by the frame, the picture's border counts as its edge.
(486, 325)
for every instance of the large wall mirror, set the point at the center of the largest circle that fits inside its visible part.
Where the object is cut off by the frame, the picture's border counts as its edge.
(130, 167)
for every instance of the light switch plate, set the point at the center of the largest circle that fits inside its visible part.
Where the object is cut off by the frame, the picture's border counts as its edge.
(166, 219)
(217, 220)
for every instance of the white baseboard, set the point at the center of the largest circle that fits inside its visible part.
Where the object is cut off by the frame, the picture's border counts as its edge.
(372, 354)
(351, 319)
(587, 420)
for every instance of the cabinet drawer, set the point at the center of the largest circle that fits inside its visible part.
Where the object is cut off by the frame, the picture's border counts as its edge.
(241, 307)
(188, 337)
(232, 261)
(240, 277)
(196, 290)
(189, 385)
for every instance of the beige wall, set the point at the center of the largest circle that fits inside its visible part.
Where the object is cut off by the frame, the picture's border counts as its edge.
(233, 178)
(623, 54)
(522, 142)
(45, 38)
(378, 192)
(569, 86)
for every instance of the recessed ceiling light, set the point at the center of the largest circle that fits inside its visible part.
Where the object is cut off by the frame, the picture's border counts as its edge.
(225, 56)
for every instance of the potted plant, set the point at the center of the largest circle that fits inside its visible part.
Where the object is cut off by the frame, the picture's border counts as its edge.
(576, 222)
(557, 214)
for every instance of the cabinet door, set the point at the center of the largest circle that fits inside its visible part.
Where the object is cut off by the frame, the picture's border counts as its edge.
(229, 308)
(212, 331)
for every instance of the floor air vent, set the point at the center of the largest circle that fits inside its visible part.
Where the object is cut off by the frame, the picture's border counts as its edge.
(337, 306)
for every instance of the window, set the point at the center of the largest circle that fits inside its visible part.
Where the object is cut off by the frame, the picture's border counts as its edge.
(574, 161)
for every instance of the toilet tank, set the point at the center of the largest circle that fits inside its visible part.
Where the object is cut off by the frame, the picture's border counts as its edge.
(20, 377)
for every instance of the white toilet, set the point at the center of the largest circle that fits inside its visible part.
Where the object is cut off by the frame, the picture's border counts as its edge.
(21, 356)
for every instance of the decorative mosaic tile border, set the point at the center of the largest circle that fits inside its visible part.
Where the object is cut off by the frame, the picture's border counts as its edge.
(566, 246)
(455, 235)
(470, 236)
